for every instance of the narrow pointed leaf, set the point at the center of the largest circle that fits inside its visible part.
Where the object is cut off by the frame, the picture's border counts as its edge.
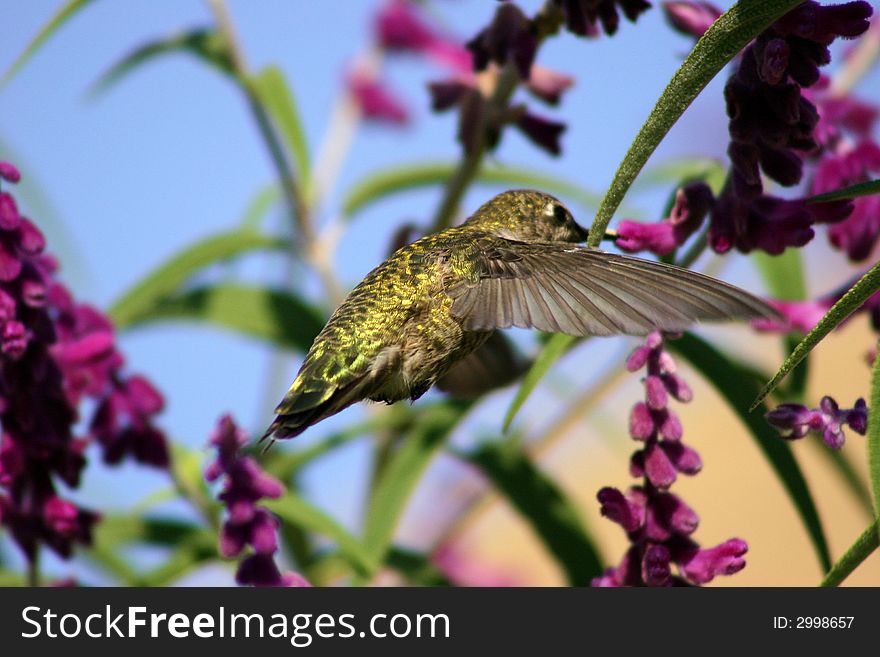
(297, 511)
(722, 41)
(866, 286)
(864, 547)
(874, 437)
(273, 91)
(205, 44)
(553, 517)
(64, 14)
(557, 346)
(737, 389)
(854, 191)
(404, 470)
(399, 179)
(416, 567)
(276, 316)
(168, 277)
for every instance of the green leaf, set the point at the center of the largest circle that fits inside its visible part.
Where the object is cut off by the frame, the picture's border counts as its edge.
(67, 10)
(558, 345)
(276, 316)
(297, 511)
(737, 388)
(204, 43)
(191, 546)
(866, 286)
(271, 89)
(552, 516)
(783, 274)
(865, 544)
(854, 191)
(403, 471)
(174, 272)
(259, 205)
(722, 41)
(399, 179)
(874, 437)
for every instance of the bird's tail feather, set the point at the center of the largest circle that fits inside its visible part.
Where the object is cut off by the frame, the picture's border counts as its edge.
(297, 413)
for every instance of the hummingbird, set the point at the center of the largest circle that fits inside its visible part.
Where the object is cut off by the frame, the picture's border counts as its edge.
(428, 313)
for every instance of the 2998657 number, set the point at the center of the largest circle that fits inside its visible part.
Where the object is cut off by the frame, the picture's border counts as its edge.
(823, 622)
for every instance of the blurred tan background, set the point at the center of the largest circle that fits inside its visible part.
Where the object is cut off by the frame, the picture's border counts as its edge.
(736, 494)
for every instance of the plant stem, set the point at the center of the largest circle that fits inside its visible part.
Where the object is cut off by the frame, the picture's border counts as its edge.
(469, 166)
(33, 568)
(865, 544)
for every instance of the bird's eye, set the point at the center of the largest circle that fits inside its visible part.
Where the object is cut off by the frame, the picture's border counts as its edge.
(560, 214)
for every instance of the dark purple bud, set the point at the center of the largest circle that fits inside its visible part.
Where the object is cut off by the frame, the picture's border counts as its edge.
(774, 61)
(447, 94)
(629, 514)
(9, 172)
(259, 570)
(509, 37)
(655, 565)
(691, 18)
(857, 417)
(544, 133)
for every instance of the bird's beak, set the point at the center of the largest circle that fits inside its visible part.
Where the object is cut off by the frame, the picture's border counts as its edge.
(580, 232)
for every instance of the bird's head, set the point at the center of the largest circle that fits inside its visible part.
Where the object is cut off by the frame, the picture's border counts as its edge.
(527, 215)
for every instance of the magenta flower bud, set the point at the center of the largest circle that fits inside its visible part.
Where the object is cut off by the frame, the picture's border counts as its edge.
(9, 217)
(548, 85)
(374, 100)
(691, 18)
(15, 337)
(264, 532)
(703, 566)
(634, 236)
(9, 172)
(658, 468)
(637, 358)
(655, 393)
(670, 426)
(684, 458)
(678, 387)
(399, 28)
(641, 422)
(32, 240)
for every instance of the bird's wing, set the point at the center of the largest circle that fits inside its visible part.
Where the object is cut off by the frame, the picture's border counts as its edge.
(579, 291)
(494, 364)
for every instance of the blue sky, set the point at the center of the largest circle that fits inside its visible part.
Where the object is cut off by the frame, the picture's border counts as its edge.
(171, 155)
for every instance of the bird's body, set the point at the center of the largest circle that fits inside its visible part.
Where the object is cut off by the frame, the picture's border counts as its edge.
(431, 304)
